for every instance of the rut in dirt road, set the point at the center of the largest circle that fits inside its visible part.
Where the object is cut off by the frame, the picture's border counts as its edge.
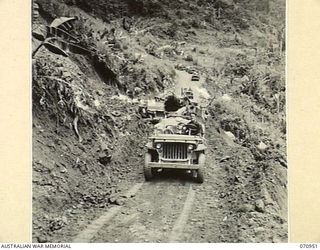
(165, 210)
(158, 212)
(95, 226)
(181, 221)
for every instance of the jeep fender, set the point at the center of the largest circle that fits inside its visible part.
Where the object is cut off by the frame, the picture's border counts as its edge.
(149, 146)
(200, 147)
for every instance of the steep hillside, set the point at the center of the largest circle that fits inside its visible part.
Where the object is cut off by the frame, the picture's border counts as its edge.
(88, 137)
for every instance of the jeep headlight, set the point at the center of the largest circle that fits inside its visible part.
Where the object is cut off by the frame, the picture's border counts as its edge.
(190, 147)
(158, 145)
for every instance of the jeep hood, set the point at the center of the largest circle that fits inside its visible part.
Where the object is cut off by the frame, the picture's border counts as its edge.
(155, 106)
(176, 138)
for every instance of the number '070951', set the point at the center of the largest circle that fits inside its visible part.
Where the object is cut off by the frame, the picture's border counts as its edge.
(308, 246)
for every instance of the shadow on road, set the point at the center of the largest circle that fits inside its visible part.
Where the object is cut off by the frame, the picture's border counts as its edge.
(173, 175)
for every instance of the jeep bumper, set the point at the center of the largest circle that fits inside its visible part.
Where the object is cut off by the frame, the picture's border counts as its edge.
(173, 165)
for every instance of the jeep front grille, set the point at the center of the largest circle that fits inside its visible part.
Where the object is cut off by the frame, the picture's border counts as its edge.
(175, 151)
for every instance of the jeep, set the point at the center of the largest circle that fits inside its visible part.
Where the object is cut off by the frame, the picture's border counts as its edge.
(153, 109)
(176, 144)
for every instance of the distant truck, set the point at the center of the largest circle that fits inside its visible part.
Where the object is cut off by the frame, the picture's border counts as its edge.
(195, 77)
(177, 143)
(187, 93)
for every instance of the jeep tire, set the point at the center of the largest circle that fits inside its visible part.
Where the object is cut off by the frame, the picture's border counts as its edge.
(146, 169)
(201, 161)
(200, 178)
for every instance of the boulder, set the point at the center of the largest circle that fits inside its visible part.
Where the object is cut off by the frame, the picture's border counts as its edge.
(226, 97)
(104, 158)
(258, 230)
(42, 239)
(262, 146)
(245, 208)
(259, 206)
(225, 158)
(230, 135)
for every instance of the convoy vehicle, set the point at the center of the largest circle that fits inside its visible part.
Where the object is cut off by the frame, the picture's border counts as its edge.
(177, 143)
(195, 77)
(153, 109)
(187, 93)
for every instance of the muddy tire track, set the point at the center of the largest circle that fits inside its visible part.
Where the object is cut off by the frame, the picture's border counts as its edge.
(87, 234)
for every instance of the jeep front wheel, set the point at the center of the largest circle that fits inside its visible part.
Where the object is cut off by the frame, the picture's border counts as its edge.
(200, 177)
(146, 169)
(201, 161)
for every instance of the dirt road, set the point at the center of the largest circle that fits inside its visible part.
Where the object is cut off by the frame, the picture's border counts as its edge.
(170, 209)
(184, 81)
